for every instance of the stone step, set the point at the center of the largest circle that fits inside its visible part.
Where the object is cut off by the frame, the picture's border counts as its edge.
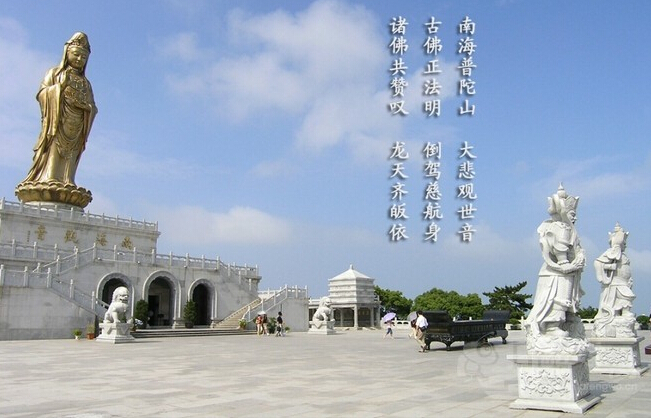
(188, 332)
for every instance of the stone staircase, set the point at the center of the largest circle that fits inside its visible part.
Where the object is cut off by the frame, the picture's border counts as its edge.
(188, 332)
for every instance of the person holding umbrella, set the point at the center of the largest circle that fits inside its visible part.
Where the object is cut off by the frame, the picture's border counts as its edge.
(388, 321)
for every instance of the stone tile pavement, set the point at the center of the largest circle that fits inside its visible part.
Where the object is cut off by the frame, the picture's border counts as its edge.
(350, 374)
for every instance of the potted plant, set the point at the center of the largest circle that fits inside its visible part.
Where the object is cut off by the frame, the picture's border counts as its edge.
(190, 313)
(77, 333)
(90, 331)
(242, 323)
(141, 313)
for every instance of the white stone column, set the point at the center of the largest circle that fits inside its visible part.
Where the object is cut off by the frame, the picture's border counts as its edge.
(355, 323)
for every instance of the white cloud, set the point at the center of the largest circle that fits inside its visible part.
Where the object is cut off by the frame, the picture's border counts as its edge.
(182, 46)
(322, 66)
(191, 225)
(21, 69)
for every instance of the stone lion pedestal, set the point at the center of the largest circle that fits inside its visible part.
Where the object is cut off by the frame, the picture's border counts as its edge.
(115, 333)
(553, 383)
(322, 327)
(618, 356)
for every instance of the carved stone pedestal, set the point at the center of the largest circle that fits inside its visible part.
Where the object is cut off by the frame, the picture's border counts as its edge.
(322, 327)
(618, 356)
(553, 383)
(115, 333)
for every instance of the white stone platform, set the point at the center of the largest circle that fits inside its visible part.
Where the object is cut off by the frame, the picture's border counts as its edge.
(618, 356)
(115, 333)
(322, 328)
(553, 383)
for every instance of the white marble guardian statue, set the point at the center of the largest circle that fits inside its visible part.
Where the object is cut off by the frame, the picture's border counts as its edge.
(614, 336)
(554, 374)
(322, 321)
(553, 325)
(115, 327)
(613, 268)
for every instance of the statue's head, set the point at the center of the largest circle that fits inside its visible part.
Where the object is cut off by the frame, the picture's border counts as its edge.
(77, 46)
(325, 301)
(618, 237)
(121, 294)
(562, 206)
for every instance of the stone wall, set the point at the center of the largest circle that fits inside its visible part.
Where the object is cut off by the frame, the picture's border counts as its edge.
(36, 314)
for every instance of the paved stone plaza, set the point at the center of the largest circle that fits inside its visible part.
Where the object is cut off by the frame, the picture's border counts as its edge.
(350, 374)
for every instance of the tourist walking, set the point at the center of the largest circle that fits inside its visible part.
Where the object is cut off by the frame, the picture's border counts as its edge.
(421, 326)
(389, 325)
(265, 321)
(280, 329)
(258, 324)
(412, 329)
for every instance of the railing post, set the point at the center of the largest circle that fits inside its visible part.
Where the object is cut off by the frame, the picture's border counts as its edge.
(94, 251)
(170, 260)
(72, 289)
(38, 267)
(26, 277)
(76, 252)
(2, 270)
(153, 256)
(135, 255)
(203, 262)
(35, 254)
(56, 251)
(58, 265)
(92, 300)
(48, 281)
(187, 260)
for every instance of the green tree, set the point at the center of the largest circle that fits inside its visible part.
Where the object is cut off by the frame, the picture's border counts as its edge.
(587, 313)
(509, 298)
(456, 304)
(394, 301)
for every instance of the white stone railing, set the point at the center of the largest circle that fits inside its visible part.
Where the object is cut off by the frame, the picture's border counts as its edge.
(47, 280)
(269, 299)
(31, 252)
(63, 260)
(55, 212)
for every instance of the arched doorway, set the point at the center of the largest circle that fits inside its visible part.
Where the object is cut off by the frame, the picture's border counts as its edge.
(201, 296)
(161, 302)
(109, 287)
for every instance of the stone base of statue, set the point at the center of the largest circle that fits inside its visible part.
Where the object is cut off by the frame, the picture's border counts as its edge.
(53, 192)
(618, 356)
(322, 327)
(115, 333)
(553, 383)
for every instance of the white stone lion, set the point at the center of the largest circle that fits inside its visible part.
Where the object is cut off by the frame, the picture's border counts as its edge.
(117, 310)
(324, 311)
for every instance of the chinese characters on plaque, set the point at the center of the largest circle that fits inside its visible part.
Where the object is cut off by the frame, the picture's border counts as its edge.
(432, 69)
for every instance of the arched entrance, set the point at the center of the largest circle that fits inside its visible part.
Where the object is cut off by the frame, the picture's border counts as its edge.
(110, 286)
(160, 298)
(201, 296)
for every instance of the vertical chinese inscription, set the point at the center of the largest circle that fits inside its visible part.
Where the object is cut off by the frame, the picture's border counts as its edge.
(398, 211)
(398, 70)
(431, 171)
(432, 87)
(466, 48)
(466, 191)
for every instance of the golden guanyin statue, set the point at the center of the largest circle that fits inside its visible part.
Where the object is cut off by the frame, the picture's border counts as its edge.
(67, 113)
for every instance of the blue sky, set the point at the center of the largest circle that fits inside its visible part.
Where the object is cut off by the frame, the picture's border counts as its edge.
(259, 132)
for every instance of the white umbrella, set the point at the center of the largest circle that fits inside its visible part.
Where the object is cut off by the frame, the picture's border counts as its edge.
(388, 317)
(412, 316)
